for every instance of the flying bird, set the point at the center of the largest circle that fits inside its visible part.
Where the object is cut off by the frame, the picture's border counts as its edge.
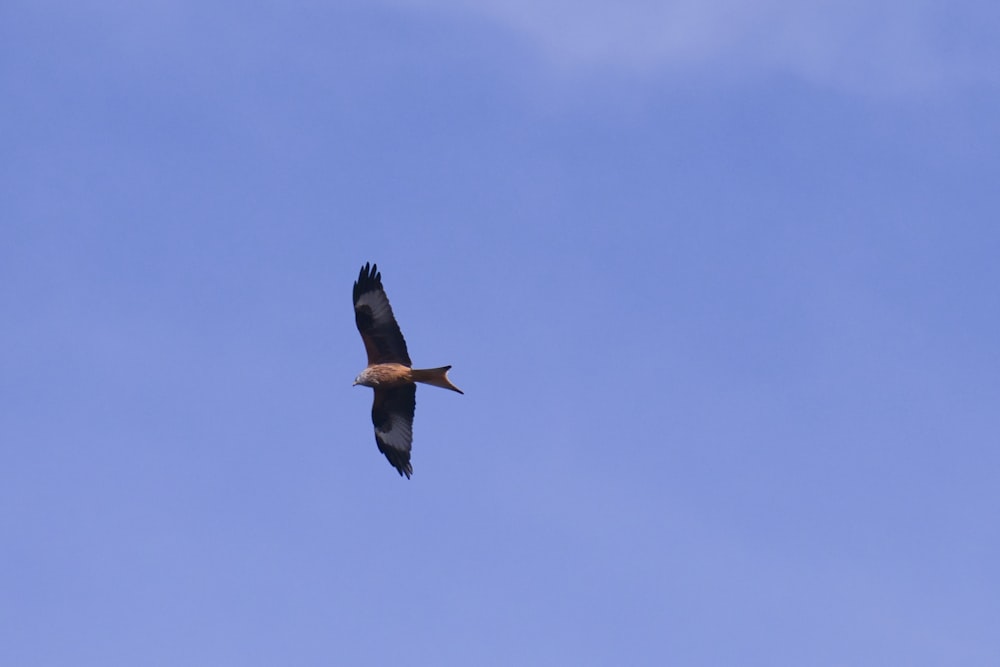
(390, 372)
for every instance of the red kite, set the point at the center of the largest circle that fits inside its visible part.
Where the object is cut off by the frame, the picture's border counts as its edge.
(390, 371)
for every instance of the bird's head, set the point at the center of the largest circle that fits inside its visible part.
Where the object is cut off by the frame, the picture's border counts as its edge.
(365, 379)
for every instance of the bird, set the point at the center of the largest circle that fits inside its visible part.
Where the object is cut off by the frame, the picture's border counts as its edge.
(390, 372)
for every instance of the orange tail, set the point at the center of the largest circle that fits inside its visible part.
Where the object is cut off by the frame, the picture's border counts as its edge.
(435, 376)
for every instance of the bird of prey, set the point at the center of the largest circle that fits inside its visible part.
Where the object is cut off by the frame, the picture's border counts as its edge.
(390, 372)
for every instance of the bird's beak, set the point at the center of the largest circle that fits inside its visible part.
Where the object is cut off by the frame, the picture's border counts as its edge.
(354, 384)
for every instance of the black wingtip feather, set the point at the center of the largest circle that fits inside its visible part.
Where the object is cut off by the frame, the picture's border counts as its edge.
(399, 460)
(369, 280)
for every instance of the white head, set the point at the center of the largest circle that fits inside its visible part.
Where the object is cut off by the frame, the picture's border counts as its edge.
(365, 379)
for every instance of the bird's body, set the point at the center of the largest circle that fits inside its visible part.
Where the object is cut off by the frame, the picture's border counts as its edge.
(394, 375)
(389, 371)
(385, 375)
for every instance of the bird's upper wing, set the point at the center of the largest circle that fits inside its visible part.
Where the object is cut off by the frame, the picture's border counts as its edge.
(392, 415)
(373, 315)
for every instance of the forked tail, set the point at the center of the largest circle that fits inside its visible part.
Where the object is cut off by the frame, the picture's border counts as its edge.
(435, 376)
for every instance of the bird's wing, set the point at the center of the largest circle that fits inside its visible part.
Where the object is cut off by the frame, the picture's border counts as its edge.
(373, 315)
(392, 415)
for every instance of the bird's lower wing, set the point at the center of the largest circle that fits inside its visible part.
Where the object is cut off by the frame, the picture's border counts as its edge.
(392, 416)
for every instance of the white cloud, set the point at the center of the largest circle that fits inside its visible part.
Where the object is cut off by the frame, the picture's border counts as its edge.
(875, 46)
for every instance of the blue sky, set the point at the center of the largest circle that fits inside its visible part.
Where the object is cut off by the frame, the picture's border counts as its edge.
(719, 282)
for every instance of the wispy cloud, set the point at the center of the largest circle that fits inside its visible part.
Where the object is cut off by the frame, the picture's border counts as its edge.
(888, 46)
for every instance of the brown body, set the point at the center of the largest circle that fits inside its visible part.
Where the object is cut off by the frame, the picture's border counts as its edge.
(394, 375)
